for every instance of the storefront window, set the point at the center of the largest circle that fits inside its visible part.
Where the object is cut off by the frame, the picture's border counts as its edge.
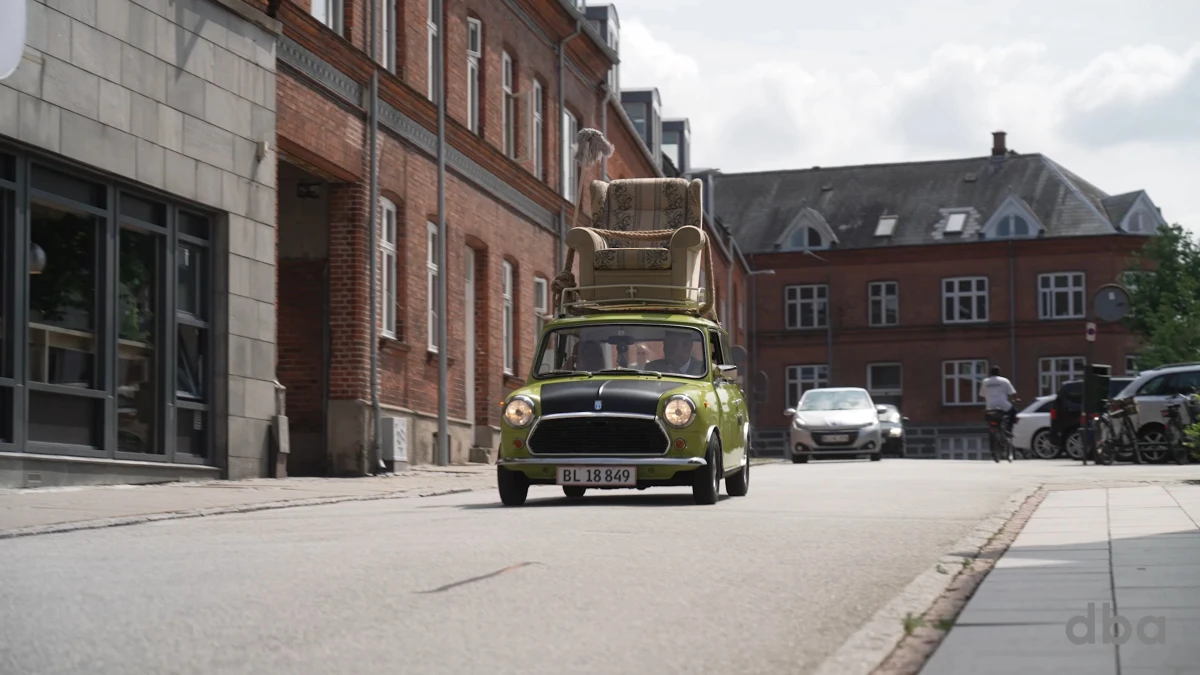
(138, 392)
(192, 360)
(7, 234)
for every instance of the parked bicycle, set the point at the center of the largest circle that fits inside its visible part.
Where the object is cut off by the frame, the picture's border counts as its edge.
(999, 438)
(1177, 448)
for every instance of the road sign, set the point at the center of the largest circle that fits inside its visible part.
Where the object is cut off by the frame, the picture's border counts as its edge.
(1110, 303)
(1091, 332)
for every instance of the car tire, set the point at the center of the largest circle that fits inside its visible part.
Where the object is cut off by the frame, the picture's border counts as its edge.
(876, 456)
(738, 484)
(799, 459)
(1041, 445)
(513, 485)
(1073, 445)
(574, 491)
(706, 483)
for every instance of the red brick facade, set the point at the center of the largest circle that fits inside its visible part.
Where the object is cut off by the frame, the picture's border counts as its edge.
(921, 342)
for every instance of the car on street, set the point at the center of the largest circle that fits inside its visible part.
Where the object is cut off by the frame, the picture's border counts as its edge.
(1066, 411)
(891, 424)
(835, 421)
(593, 414)
(1152, 390)
(1032, 429)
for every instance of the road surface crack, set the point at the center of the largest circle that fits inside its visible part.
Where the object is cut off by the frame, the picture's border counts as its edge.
(482, 577)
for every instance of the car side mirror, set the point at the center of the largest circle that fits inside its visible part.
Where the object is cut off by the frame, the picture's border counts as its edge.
(728, 371)
(790, 412)
(881, 410)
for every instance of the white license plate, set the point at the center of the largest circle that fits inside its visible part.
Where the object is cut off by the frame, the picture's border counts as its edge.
(597, 475)
(836, 438)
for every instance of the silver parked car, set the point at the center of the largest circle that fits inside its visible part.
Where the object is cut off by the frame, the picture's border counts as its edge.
(835, 421)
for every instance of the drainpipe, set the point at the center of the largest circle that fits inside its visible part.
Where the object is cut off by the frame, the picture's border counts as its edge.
(443, 448)
(376, 457)
(1012, 314)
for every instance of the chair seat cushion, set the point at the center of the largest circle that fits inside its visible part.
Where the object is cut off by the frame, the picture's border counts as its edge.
(632, 259)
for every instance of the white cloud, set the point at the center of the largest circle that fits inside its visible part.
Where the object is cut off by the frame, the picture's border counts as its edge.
(1124, 118)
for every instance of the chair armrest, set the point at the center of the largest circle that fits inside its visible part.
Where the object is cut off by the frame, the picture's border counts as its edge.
(586, 242)
(686, 238)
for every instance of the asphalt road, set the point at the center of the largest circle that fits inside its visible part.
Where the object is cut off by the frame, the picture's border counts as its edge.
(624, 582)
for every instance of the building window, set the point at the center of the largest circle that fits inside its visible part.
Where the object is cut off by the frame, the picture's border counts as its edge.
(570, 128)
(672, 146)
(535, 132)
(1053, 371)
(637, 115)
(964, 300)
(886, 226)
(961, 380)
(1060, 296)
(474, 53)
(432, 19)
(507, 337)
(956, 222)
(884, 379)
(388, 247)
(884, 301)
(806, 306)
(805, 238)
(802, 378)
(431, 282)
(1012, 226)
(541, 305)
(1131, 365)
(387, 39)
(328, 12)
(509, 111)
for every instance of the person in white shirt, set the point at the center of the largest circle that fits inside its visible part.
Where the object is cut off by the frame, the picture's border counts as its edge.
(999, 394)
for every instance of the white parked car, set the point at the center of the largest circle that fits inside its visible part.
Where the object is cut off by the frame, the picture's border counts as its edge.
(835, 421)
(1032, 429)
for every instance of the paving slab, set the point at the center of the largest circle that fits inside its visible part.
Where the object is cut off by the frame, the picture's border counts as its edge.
(1156, 576)
(1159, 598)
(1177, 647)
(1005, 650)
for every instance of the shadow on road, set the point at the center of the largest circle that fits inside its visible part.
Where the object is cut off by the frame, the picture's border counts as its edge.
(559, 501)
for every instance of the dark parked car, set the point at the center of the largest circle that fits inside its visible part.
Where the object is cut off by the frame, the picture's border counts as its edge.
(891, 423)
(1068, 406)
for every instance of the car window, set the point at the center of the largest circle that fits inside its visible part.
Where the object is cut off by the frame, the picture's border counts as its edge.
(1116, 385)
(1045, 407)
(1071, 391)
(1156, 386)
(667, 349)
(1182, 382)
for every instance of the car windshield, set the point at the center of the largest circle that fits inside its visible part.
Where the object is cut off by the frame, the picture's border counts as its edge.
(835, 400)
(592, 348)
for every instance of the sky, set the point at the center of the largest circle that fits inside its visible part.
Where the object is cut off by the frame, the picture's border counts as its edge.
(1110, 90)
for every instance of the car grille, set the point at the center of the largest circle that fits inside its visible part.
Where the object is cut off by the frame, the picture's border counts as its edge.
(598, 435)
(822, 438)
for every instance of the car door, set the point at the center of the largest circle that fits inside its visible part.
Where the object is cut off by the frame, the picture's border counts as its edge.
(1152, 398)
(732, 412)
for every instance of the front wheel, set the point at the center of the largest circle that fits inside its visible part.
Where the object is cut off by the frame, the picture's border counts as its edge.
(1074, 445)
(876, 456)
(513, 485)
(738, 484)
(574, 491)
(1043, 447)
(706, 483)
(799, 459)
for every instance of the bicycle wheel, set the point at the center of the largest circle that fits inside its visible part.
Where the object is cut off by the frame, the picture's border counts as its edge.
(1175, 443)
(993, 443)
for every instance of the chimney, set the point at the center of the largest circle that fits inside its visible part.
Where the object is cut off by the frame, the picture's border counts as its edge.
(998, 147)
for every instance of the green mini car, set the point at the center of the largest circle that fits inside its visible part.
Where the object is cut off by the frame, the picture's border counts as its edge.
(628, 400)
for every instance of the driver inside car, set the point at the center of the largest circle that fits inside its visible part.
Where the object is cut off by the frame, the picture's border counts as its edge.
(678, 359)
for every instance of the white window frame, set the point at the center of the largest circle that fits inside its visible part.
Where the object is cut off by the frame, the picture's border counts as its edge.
(431, 284)
(1048, 292)
(541, 305)
(431, 47)
(876, 391)
(535, 131)
(570, 128)
(807, 230)
(815, 376)
(877, 296)
(388, 259)
(886, 226)
(474, 26)
(1131, 367)
(507, 326)
(508, 108)
(333, 14)
(794, 300)
(979, 368)
(1054, 370)
(955, 293)
(387, 40)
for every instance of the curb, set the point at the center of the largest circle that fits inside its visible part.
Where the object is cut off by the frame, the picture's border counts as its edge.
(218, 511)
(869, 647)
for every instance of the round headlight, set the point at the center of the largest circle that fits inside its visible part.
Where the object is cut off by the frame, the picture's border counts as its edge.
(519, 412)
(679, 411)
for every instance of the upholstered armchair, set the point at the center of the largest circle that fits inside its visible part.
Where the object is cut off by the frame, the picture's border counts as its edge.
(670, 206)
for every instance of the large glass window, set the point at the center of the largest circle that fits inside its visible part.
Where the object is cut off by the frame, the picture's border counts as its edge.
(141, 260)
(192, 388)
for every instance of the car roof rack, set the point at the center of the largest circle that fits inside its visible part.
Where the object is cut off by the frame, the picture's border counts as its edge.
(667, 299)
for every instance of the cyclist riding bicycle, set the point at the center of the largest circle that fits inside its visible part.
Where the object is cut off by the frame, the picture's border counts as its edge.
(999, 394)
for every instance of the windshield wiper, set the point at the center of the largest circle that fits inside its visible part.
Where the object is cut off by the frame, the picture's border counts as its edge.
(629, 370)
(569, 373)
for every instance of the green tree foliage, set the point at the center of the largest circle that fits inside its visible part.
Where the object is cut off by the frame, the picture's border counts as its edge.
(1164, 284)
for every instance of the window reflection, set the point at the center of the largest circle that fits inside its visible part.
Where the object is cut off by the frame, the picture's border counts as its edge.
(191, 280)
(62, 299)
(137, 375)
(190, 374)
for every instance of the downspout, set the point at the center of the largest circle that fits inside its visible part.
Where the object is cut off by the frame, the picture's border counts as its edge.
(443, 448)
(563, 167)
(376, 457)
(1012, 313)
(604, 127)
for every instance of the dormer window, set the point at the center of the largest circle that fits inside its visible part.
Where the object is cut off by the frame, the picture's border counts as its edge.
(956, 222)
(1012, 226)
(804, 239)
(886, 226)
(1013, 219)
(1137, 222)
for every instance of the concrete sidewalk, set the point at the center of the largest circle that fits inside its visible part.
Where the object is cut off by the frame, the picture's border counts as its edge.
(42, 510)
(1131, 553)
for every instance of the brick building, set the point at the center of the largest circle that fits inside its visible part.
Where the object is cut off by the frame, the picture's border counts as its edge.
(911, 280)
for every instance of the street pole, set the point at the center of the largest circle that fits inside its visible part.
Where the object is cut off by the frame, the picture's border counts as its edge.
(754, 341)
(443, 449)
